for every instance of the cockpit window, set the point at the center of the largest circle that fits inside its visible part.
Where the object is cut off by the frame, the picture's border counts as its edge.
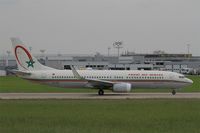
(181, 77)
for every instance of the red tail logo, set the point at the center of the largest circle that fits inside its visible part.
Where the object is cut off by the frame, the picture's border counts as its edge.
(30, 62)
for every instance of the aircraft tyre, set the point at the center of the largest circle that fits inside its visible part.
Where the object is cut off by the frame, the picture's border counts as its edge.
(101, 92)
(173, 92)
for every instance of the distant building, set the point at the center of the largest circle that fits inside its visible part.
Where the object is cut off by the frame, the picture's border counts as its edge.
(129, 61)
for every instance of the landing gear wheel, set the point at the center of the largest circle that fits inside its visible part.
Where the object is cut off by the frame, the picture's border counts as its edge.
(174, 92)
(101, 92)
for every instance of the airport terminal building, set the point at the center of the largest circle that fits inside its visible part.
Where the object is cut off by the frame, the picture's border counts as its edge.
(181, 63)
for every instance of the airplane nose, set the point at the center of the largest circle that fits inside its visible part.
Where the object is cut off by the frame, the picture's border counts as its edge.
(190, 81)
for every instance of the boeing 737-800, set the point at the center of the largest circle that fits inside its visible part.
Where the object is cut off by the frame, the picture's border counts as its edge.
(116, 80)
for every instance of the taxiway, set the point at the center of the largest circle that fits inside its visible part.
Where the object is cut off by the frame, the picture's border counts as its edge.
(96, 96)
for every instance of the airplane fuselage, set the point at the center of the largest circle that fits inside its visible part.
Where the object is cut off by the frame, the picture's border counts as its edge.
(146, 79)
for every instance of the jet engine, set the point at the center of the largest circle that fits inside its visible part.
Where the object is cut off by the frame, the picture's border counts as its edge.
(122, 87)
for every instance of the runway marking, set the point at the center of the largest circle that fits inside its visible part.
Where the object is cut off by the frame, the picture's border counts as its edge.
(96, 96)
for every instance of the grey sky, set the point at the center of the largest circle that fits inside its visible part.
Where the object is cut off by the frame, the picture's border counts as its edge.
(89, 26)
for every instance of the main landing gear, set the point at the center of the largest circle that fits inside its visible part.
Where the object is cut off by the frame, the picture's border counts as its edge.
(101, 92)
(173, 92)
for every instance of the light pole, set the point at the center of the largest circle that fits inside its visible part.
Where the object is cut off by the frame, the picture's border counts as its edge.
(43, 55)
(42, 52)
(118, 45)
(8, 52)
(30, 48)
(188, 50)
(109, 51)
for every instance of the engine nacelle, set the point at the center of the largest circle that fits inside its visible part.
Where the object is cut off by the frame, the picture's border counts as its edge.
(122, 87)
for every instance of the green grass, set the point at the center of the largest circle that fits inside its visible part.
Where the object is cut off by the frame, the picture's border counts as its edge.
(100, 116)
(15, 84)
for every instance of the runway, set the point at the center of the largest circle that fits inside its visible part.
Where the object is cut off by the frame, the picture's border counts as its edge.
(96, 96)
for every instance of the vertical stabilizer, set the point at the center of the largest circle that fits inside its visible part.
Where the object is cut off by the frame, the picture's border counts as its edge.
(25, 60)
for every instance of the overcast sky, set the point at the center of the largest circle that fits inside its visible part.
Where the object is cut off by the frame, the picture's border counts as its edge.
(90, 26)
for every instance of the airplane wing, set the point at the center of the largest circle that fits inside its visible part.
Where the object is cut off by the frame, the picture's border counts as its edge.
(100, 83)
(93, 82)
(21, 73)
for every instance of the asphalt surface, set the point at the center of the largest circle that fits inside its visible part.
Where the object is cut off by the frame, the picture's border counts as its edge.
(96, 96)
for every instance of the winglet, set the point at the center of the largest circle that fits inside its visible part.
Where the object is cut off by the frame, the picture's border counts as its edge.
(76, 74)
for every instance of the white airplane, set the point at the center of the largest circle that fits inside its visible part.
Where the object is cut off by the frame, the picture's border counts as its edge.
(118, 81)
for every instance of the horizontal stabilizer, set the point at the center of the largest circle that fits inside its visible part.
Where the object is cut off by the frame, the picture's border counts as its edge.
(17, 72)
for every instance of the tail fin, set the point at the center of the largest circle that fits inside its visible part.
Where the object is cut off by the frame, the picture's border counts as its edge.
(25, 60)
